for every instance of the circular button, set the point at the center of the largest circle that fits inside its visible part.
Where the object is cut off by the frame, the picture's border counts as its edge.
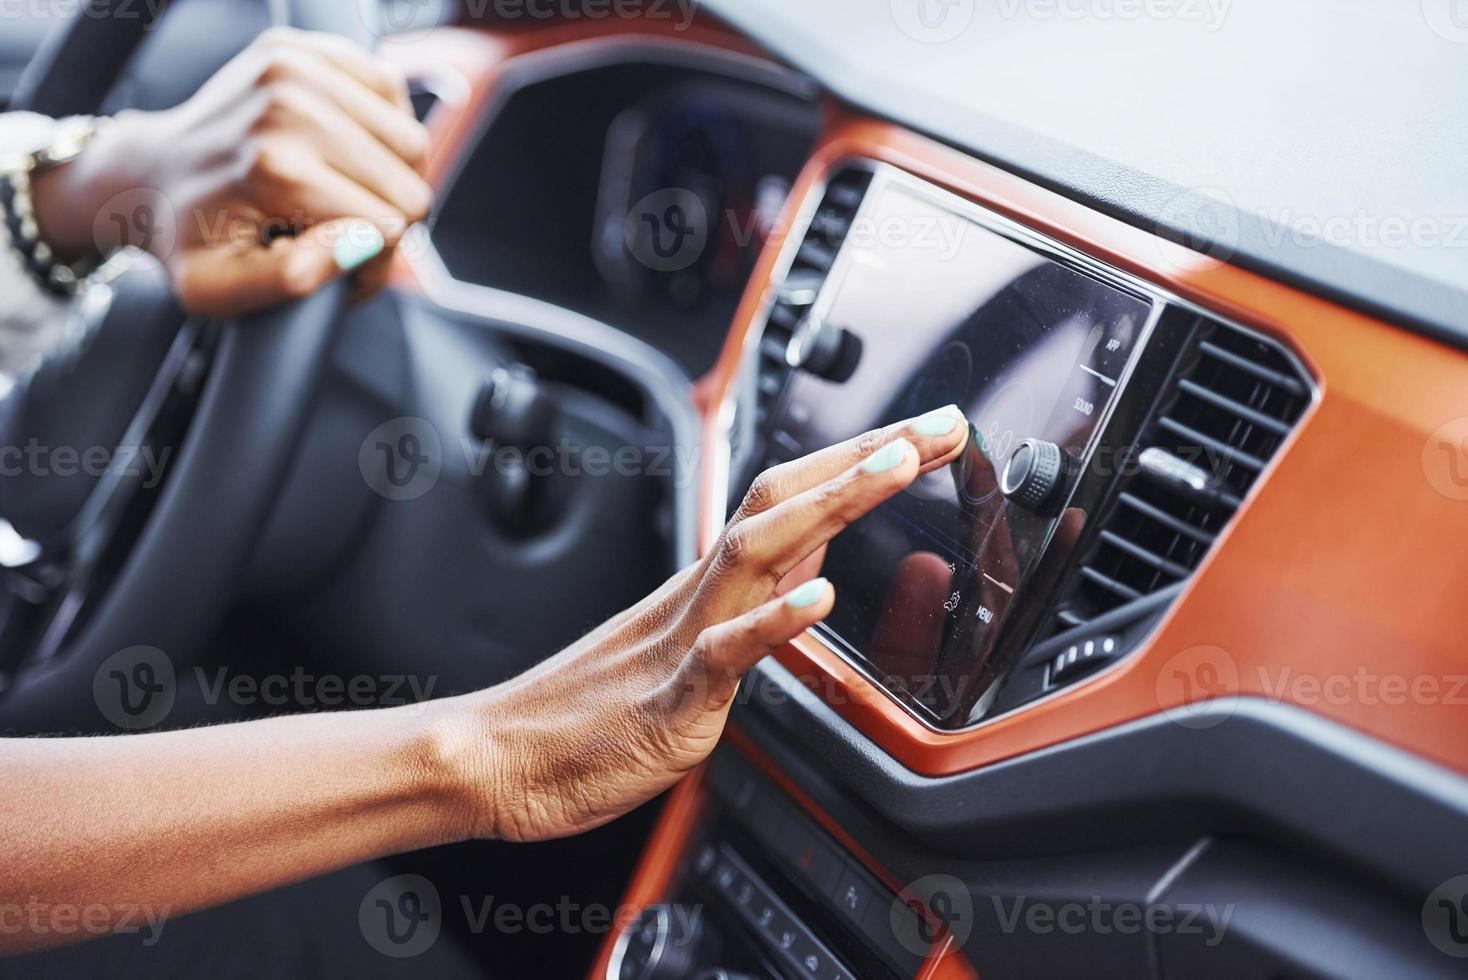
(1033, 474)
(823, 349)
(660, 944)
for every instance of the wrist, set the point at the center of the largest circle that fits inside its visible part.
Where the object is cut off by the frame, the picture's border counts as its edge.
(72, 201)
(467, 756)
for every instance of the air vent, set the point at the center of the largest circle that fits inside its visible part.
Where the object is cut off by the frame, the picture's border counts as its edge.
(1231, 403)
(808, 270)
(793, 299)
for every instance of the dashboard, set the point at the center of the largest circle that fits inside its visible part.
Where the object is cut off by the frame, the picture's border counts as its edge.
(635, 185)
(1113, 657)
(927, 300)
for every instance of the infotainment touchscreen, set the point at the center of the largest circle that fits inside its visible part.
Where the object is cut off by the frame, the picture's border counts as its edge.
(947, 310)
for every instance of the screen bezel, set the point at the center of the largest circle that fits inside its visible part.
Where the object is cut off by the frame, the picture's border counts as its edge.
(885, 176)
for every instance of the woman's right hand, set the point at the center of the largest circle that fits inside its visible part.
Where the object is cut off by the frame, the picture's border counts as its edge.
(299, 161)
(622, 714)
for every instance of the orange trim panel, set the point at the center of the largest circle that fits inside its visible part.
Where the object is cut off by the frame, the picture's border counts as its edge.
(1335, 589)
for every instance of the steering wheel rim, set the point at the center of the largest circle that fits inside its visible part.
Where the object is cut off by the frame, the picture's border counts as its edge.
(177, 580)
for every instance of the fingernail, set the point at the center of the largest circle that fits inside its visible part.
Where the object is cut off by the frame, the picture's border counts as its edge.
(806, 595)
(938, 423)
(888, 457)
(360, 243)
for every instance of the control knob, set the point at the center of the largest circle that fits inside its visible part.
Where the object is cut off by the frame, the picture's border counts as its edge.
(1033, 475)
(513, 411)
(660, 944)
(824, 349)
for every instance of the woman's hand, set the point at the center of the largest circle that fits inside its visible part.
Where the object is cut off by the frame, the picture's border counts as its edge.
(182, 820)
(617, 718)
(298, 162)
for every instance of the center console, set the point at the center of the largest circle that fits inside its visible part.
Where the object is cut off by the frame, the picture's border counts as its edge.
(1114, 431)
(761, 890)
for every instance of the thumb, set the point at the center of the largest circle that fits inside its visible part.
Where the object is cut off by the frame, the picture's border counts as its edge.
(233, 281)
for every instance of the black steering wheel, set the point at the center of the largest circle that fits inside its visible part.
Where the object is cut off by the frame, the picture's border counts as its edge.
(176, 580)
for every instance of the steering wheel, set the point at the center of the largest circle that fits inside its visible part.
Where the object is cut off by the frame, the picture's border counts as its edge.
(176, 581)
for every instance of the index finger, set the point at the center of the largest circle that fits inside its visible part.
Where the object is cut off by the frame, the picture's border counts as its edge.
(382, 77)
(934, 431)
(395, 129)
(756, 553)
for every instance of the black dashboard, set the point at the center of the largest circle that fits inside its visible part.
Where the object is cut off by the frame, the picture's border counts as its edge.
(635, 187)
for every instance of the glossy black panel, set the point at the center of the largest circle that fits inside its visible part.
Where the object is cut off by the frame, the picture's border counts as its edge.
(948, 311)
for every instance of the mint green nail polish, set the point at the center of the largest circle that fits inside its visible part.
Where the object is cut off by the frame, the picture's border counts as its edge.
(806, 595)
(938, 423)
(360, 243)
(889, 457)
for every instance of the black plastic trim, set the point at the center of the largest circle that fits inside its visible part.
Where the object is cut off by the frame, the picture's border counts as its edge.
(1241, 766)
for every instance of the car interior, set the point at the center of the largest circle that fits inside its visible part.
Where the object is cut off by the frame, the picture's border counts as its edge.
(1164, 678)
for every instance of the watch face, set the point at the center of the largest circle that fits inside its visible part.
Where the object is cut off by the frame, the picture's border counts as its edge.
(68, 142)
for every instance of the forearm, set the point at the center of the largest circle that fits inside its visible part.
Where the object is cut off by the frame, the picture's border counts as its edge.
(176, 821)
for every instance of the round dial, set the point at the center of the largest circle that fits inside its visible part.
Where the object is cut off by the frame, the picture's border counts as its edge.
(1033, 474)
(660, 944)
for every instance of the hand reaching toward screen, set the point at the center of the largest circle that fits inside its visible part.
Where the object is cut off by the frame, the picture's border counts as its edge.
(617, 718)
(588, 735)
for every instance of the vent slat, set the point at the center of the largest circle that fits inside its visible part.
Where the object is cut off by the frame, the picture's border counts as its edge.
(772, 348)
(1110, 584)
(1248, 414)
(1230, 453)
(1165, 519)
(1291, 386)
(847, 197)
(830, 226)
(1236, 400)
(784, 316)
(815, 254)
(1070, 620)
(1164, 565)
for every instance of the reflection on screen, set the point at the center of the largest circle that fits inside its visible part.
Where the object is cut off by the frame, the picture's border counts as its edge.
(948, 311)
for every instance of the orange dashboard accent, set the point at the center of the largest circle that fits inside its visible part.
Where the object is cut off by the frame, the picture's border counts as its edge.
(674, 830)
(1337, 588)
(659, 860)
(948, 962)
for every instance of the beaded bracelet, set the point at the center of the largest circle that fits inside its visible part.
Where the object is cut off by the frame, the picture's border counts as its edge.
(18, 210)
